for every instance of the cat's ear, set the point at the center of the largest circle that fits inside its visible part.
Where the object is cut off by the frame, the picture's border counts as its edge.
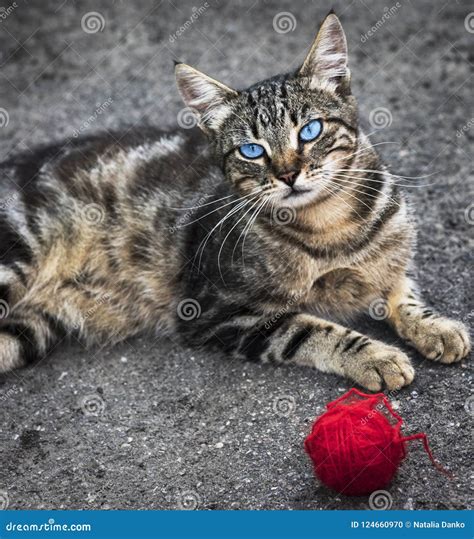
(206, 97)
(326, 62)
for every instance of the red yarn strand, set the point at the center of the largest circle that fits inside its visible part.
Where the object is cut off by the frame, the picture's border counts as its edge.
(422, 436)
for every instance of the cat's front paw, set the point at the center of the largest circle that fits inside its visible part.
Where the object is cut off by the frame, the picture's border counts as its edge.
(441, 339)
(377, 365)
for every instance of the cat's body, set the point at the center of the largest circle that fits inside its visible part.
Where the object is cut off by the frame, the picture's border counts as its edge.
(112, 236)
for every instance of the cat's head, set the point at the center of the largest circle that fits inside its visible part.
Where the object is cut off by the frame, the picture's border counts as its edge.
(286, 135)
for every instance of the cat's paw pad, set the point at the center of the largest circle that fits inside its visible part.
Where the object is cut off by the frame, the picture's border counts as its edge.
(378, 365)
(442, 340)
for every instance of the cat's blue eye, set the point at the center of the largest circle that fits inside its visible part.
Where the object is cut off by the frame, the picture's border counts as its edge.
(311, 131)
(252, 151)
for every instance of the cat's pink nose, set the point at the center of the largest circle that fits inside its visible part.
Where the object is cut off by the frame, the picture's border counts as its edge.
(289, 177)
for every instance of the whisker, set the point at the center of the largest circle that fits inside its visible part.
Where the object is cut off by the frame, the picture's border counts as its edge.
(201, 205)
(217, 209)
(375, 180)
(335, 193)
(252, 222)
(352, 184)
(269, 196)
(229, 233)
(364, 149)
(389, 173)
(220, 222)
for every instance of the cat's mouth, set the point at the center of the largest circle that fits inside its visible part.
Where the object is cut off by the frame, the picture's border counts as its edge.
(299, 196)
(295, 192)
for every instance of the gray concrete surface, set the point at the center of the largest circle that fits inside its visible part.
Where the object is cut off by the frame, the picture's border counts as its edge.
(176, 427)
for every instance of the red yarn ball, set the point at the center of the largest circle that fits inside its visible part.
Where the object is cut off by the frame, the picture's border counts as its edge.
(356, 446)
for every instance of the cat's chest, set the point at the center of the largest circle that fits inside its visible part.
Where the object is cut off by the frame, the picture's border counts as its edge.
(332, 285)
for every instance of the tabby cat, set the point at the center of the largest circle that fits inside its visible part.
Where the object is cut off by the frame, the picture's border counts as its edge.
(243, 241)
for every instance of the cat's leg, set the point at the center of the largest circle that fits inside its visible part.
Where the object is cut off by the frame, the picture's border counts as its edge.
(26, 335)
(307, 340)
(26, 332)
(434, 336)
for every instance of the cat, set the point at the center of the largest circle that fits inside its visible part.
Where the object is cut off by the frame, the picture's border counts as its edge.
(242, 234)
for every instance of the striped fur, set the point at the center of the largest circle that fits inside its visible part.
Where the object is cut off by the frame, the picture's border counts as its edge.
(114, 235)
